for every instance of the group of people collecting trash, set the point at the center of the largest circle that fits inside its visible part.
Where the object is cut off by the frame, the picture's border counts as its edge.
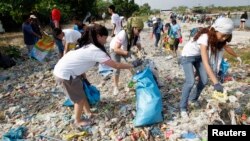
(201, 56)
(71, 68)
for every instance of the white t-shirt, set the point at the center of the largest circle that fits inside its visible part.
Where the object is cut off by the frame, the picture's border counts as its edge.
(192, 48)
(115, 19)
(77, 62)
(71, 36)
(122, 39)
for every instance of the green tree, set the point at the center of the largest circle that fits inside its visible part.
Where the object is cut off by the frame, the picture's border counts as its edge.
(12, 11)
(182, 9)
(125, 7)
(145, 9)
(16, 8)
(101, 6)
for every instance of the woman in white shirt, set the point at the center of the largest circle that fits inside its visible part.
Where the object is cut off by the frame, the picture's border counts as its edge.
(204, 53)
(72, 65)
(120, 45)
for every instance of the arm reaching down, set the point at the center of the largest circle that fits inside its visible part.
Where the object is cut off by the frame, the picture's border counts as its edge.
(205, 61)
(117, 65)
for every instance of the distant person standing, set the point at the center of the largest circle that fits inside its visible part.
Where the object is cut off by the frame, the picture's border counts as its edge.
(55, 17)
(104, 17)
(35, 26)
(172, 16)
(28, 34)
(115, 20)
(175, 35)
(157, 29)
(243, 19)
(229, 15)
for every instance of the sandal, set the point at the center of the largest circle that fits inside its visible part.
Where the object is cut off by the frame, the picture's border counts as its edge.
(85, 127)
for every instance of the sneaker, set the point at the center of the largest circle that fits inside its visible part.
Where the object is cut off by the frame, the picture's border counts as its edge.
(195, 104)
(184, 114)
(169, 57)
(116, 91)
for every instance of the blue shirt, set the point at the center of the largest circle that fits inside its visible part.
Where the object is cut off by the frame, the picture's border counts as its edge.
(29, 38)
(174, 31)
(158, 28)
(77, 29)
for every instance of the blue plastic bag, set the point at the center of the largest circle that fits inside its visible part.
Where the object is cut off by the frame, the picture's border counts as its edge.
(15, 134)
(92, 94)
(224, 67)
(148, 99)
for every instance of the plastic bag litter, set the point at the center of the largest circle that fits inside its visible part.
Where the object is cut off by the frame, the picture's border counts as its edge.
(221, 97)
(92, 93)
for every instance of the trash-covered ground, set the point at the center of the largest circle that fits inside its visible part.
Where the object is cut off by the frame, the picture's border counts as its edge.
(30, 98)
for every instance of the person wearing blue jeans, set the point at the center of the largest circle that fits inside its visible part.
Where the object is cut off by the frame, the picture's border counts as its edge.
(157, 29)
(157, 38)
(189, 63)
(204, 52)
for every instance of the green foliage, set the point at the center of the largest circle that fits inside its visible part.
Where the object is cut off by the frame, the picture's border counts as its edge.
(5, 7)
(145, 9)
(199, 9)
(102, 6)
(156, 11)
(211, 9)
(125, 7)
(17, 8)
(12, 51)
(182, 9)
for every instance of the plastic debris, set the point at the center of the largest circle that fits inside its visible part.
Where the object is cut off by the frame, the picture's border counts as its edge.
(71, 136)
(15, 134)
(221, 97)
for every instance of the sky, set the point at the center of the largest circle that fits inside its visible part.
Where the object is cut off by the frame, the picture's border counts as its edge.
(168, 4)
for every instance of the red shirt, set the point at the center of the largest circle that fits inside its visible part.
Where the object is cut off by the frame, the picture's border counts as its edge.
(56, 14)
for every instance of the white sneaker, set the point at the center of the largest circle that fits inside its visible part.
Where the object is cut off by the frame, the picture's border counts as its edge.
(169, 57)
(184, 114)
(116, 91)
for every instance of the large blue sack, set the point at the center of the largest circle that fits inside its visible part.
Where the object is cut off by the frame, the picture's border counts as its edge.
(148, 99)
(92, 93)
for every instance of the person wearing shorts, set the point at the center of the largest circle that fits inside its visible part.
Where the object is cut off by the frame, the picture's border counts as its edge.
(243, 20)
(175, 34)
(122, 42)
(70, 69)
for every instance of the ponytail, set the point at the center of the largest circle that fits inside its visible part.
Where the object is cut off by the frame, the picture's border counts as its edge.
(90, 36)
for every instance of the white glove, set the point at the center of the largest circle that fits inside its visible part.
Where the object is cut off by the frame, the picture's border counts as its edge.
(239, 59)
